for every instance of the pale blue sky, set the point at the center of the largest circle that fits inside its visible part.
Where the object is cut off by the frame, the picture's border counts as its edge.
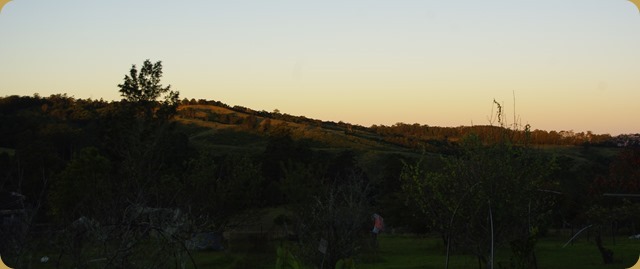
(573, 65)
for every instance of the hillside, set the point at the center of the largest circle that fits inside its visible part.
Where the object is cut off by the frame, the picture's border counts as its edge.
(241, 130)
(215, 115)
(249, 129)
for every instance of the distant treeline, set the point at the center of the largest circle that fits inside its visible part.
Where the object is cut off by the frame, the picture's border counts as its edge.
(488, 133)
(418, 135)
(81, 111)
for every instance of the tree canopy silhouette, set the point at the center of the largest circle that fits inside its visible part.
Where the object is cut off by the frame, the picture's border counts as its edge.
(144, 89)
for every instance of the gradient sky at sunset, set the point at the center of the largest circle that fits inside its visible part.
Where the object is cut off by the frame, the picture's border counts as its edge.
(572, 64)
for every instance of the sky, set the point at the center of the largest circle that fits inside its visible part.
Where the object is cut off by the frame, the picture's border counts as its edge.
(553, 64)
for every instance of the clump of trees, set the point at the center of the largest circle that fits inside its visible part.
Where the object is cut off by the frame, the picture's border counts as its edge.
(104, 176)
(613, 207)
(417, 135)
(485, 195)
(334, 225)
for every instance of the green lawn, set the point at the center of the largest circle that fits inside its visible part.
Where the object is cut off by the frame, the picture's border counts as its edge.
(408, 252)
(411, 252)
(585, 254)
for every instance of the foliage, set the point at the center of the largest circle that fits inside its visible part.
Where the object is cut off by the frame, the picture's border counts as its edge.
(300, 182)
(522, 249)
(340, 217)
(144, 88)
(215, 192)
(286, 259)
(416, 135)
(485, 195)
(347, 263)
(283, 160)
(72, 158)
(84, 188)
(116, 197)
(623, 175)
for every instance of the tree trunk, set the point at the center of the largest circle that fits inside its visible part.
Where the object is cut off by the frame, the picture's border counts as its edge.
(607, 254)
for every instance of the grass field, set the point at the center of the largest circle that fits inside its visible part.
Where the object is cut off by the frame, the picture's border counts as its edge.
(408, 252)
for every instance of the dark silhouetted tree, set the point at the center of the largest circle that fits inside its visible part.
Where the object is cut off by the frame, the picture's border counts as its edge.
(144, 89)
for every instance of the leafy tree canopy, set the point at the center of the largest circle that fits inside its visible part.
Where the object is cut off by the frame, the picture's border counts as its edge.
(143, 88)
